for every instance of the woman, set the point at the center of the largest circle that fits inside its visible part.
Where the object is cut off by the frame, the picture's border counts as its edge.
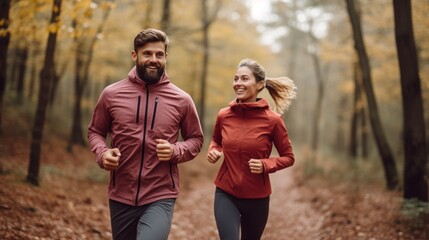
(244, 133)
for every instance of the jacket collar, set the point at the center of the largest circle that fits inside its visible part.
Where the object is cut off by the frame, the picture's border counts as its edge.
(260, 103)
(132, 75)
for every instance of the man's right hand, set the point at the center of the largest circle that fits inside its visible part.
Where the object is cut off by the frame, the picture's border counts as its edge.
(111, 159)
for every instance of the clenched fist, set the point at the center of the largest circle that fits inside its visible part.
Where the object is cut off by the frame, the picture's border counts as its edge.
(213, 155)
(111, 159)
(164, 150)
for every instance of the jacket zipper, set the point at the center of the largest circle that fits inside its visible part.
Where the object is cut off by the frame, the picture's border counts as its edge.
(154, 113)
(143, 146)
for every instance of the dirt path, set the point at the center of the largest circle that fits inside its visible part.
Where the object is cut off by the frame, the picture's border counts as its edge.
(72, 204)
(291, 216)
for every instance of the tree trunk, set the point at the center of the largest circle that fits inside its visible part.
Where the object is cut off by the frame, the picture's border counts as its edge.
(356, 102)
(340, 143)
(320, 92)
(390, 170)
(206, 21)
(4, 44)
(206, 46)
(22, 68)
(363, 130)
(59, 73)
(165, 21)
(415, 183)
(46, 76)
(76, 134)
(293, 44)
(35, 51)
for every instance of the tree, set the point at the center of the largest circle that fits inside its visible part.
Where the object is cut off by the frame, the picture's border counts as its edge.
(415, 183)
(165, 21)
(358, 123)
(388, 161)
(4, 43)
(314, 52)
(84, 55)
(355, 112)
(207, 20)
(46, 76)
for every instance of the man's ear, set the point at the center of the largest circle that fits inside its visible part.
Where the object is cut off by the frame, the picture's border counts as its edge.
(134, 55)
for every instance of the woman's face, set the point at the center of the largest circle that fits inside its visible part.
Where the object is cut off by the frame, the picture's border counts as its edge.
(245, 86)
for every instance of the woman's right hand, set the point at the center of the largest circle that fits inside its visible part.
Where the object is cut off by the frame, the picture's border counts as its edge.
(213, 155)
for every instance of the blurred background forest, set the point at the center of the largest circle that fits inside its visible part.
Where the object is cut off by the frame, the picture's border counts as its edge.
(309, 41)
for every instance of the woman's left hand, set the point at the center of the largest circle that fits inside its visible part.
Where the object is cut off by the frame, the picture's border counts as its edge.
(256, 166)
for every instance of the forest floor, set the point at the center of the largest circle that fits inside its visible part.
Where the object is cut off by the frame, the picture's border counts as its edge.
(71, 202)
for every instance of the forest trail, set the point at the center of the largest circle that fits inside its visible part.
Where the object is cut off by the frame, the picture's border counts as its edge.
(72, 204)
(291, 216)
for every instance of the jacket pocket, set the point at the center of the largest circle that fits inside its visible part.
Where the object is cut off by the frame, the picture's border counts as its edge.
(154, 113)
(173, 185)
(138, 109)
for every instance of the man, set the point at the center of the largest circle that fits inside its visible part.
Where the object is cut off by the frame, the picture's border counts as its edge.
(143, 115)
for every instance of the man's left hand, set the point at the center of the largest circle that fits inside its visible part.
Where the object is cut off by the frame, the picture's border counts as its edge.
(164, 150)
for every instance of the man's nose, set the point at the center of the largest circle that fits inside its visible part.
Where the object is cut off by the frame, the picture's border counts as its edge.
(153, 58)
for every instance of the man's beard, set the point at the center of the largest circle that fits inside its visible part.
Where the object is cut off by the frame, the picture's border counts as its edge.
(147, 76)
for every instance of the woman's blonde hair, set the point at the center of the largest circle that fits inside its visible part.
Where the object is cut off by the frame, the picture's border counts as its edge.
(281, 89)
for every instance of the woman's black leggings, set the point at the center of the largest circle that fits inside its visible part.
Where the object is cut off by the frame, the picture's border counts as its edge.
(231, 212)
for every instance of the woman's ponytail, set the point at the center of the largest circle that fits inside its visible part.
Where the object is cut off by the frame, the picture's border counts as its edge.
(282, 90)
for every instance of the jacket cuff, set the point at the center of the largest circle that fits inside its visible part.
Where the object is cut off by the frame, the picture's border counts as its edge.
(100, 158)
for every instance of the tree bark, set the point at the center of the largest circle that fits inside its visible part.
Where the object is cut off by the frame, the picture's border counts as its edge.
(415, 183)
(388, 161)
(46, 76)
(4, 44)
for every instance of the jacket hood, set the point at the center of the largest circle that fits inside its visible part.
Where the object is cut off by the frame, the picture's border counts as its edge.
(260, 103)
(132, 75)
